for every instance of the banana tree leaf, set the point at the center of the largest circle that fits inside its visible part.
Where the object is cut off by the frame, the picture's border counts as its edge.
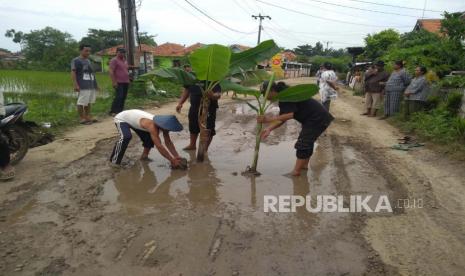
(172, 74)
(257, 75)
(248, 59)
(211, 62)
(227, 85)
(297, 93)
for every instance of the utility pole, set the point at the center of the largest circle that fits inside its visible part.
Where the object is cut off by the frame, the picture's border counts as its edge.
(260, 17)
(128, 27)
(327, 44)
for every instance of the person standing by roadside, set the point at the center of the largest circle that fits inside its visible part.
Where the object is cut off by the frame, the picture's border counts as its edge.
(6, 170)
(395, 87)
(417, 92)
(119, 75)
(375, 79)
(328, 85)
(85, 84)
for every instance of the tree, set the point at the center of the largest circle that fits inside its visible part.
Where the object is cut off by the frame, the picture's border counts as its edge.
(46, 49)
(145, 38)
(304, 50)
(102, 39)
(378, 44)
(453, 25)
(17, 37)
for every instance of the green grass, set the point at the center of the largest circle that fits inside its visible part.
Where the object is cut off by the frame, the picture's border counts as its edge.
(439, 126)
(50, 96)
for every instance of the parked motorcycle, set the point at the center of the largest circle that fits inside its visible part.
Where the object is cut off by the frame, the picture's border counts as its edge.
(19, 134)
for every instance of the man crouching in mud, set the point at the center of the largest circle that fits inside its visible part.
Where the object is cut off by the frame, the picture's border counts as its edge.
(148, 127)
(310, 113)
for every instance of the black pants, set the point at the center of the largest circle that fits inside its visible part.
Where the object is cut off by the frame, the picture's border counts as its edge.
(124, 130)
(306, 141)
(327, 104)
(4, 153)
(194, 120)
(121, 92)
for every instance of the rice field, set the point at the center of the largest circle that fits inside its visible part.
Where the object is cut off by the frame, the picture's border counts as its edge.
(51, 98)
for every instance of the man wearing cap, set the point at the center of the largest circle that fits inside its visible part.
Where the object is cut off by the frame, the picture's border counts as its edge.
(119, 75)
(148, 127)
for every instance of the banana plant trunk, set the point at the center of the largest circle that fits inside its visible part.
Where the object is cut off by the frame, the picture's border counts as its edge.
(253, 168)
(205, 133)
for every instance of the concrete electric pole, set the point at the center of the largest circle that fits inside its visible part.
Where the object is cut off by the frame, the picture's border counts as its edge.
(260, 17)
(129, 29)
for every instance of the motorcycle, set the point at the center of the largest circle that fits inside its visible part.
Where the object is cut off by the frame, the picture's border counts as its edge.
(19, 134)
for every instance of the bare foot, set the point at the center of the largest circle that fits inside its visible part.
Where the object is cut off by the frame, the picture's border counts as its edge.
(189, 147)
(292, 174)
(145, 158)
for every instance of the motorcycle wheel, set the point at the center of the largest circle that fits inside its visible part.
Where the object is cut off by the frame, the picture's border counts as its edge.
(18, 143)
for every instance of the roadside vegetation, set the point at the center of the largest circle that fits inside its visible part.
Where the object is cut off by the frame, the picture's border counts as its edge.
(441, 122)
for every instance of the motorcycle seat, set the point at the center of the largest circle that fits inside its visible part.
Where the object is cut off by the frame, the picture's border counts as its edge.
(13, 108)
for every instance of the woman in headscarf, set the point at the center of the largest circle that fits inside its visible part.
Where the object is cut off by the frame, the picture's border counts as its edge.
(395, 87)
(417, 92)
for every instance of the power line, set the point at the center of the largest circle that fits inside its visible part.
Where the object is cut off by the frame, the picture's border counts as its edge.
(214, 20)
(362, 9)
(328, 19)
(242, 8)
(393, 6)
(201, 20)
(260, 17)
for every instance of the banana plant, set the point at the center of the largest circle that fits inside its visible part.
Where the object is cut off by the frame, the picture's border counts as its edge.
(213, 64)
(295, 93)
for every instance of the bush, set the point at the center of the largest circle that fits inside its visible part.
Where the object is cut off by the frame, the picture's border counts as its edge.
(454, 102)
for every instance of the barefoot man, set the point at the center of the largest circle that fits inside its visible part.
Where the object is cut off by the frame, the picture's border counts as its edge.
(310, 113)
(194, 93)
(148, 127)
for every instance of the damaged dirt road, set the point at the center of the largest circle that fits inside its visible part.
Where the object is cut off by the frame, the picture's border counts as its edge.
(68, 213)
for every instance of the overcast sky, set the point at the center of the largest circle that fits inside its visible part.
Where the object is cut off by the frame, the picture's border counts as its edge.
(177, 21)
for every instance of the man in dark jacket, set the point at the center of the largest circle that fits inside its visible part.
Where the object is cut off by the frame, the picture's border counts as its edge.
(375, 81)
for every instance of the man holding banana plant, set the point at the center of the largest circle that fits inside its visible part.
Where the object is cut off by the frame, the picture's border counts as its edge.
(194, 93)
(314, 118)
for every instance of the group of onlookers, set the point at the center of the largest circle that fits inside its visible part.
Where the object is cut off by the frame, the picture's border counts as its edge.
(85, 83)
(393, 87)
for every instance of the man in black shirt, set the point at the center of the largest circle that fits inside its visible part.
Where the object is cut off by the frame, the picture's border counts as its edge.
(310, 113)
(194, 93)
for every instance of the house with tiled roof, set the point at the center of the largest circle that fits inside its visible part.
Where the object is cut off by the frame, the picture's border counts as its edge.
(430, 25)
(143, 53)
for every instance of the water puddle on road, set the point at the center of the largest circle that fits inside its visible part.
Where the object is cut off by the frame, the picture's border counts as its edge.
(147, 187)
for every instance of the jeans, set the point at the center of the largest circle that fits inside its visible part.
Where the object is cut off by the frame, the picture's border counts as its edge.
(121, 93)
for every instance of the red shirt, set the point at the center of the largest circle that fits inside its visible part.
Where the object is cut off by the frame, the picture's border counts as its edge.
(120, 70)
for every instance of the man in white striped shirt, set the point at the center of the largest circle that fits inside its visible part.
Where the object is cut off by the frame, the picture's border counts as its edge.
(148, 127)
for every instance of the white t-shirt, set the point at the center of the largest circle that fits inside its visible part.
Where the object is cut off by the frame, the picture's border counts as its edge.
(326, 91)
(133, 117)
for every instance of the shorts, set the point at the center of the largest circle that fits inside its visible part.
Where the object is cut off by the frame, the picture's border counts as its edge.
(306, 140)
(373, 100)
(193, 116)
(86, 97)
